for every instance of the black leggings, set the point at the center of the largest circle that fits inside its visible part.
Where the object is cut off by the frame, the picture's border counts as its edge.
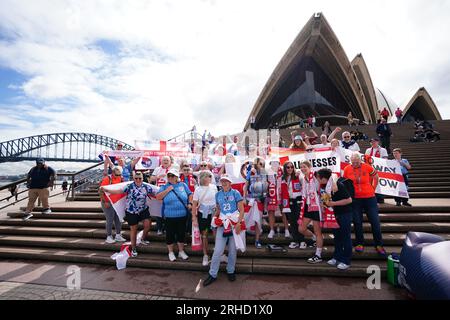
(175, 230)
(295, 206)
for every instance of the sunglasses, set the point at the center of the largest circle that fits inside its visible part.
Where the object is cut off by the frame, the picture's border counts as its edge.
(203, 165)
(170, 175)
(137, 178)
(347, 137)
(289, 167)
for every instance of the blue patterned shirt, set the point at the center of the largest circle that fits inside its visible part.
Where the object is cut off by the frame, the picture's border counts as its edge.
(137, 197)
(172, 206)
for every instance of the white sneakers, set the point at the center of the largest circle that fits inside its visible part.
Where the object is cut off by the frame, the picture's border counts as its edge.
(119, 238)
(109, 239)
(287, 233)
(272, 234)
(27, 216)
(343, 266)
(205, 261)
(295, 245)
(172, 257)
(332, 262)
(47, 211)
(339, 265)
(183, 255)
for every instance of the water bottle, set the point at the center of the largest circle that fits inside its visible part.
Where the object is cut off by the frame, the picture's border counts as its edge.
(278, 231)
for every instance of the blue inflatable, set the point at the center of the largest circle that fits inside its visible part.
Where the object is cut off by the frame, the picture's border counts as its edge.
(424, 268)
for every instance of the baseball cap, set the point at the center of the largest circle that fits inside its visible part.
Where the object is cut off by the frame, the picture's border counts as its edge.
(226, 177)
(174, 172)
(298, 138)
(374, 139)
(40, 161)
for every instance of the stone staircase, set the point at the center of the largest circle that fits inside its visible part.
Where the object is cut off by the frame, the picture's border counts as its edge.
(76, 234)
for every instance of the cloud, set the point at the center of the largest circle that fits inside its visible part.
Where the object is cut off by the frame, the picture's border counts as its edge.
(152, 69)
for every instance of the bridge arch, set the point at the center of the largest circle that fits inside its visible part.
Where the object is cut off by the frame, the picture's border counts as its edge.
(14, 150)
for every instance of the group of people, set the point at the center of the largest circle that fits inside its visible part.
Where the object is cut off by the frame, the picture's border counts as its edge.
(212, 200)
(424, 132)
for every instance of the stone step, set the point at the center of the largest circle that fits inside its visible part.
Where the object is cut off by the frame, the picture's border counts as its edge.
(428, 188)
(431, 227)
(152, 261)
(384, 208)
(390, 239)
(390, 217)
(428, 195)
(161, 248)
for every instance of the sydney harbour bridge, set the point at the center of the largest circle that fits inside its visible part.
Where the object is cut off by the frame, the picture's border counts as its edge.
(68, 147)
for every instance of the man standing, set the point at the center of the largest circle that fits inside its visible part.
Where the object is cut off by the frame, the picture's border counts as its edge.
(399, 115)
(378, 152)
(365, 181)
(39, 179)
(385, 133)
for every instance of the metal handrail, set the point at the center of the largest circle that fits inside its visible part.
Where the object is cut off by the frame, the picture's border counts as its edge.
(73, 175)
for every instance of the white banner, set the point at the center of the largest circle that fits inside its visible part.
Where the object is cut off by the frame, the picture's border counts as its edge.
(390, 182)
(319, 160)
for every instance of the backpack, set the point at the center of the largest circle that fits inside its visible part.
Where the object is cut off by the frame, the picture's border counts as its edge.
(348, 185)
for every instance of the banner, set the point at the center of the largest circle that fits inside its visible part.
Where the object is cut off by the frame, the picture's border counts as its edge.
(123, 153)
(319, 160)
(118, 201)
(390, 182)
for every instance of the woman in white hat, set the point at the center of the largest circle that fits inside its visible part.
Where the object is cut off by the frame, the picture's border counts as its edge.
(177, 200)
(229, 206)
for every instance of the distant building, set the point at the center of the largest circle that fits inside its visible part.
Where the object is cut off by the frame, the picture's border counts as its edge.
(315, 78)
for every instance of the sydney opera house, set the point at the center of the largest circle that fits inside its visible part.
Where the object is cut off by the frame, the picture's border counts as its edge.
(315, 77)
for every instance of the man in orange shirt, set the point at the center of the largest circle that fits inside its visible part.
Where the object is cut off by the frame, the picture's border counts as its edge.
(365, 180)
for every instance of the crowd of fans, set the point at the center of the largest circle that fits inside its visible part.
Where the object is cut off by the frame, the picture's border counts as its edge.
(205, 196)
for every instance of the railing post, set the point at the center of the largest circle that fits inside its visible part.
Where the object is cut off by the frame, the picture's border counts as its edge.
(73, 187)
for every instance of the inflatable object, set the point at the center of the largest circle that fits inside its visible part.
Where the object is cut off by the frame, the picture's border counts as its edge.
(424, 268)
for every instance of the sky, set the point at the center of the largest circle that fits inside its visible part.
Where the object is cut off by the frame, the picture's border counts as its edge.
(136, 70)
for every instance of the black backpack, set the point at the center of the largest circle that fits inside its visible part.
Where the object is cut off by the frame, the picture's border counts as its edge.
(348, 185)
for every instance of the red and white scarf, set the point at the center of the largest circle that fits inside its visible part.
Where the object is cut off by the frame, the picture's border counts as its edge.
(295, 191)
(311, 192)
(191, 181)
(377, 152)
(274, 189)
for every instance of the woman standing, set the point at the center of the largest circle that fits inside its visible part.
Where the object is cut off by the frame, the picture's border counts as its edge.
(255, 192)
(177, 200)
(341, 201)
(136, 208)
(204, 206)
(108, 210)
(292, 192)
(274, 178)
(229, 207)
(311, 209)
